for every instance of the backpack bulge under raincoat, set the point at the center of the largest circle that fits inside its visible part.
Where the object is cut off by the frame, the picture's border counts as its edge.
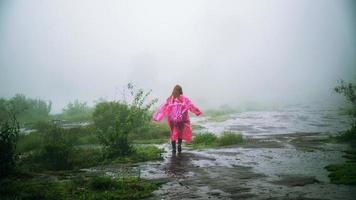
(176, 110)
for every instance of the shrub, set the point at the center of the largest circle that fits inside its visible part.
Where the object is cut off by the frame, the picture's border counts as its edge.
(207, 139)
(342, 173)
(145, 153)
(8, 138)
(102, 183)
(56, 150)
(115, 120)
(229, 138)
(29, 142)
(204, 139)
(349, 92)
(347, 136)
(151, 131)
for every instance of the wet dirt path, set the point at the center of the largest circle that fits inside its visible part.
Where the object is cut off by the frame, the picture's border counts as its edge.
(276, 167)
(287, 166)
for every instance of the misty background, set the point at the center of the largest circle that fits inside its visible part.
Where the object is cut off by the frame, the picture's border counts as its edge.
(221, 52)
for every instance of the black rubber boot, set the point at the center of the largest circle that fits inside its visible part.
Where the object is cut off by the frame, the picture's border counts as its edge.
(174, 147)
(179, 145)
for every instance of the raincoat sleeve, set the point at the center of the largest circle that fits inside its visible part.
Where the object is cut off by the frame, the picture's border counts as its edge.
(159, 114)
(192, 108)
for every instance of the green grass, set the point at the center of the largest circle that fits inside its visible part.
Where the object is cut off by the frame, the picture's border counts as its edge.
(28, 142)
(342, 173)
(209, 140)
(230, 138)
(197, 126)
(140, 154)
(151, 141)
(348, 136)
(88, 157)
(204, 140)
(154, 130)
(79, 188)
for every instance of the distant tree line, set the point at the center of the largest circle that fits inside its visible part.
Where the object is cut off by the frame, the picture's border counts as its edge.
(26, 109)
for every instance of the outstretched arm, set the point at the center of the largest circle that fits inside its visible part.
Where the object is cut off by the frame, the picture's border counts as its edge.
(159, 114)
(193, 108)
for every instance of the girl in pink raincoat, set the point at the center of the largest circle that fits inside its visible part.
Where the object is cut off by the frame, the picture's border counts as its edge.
(176, 108)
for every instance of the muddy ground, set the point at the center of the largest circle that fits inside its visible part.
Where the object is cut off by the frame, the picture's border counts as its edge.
(289, 166)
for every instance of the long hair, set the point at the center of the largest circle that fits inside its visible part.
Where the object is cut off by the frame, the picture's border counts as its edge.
(177, 91)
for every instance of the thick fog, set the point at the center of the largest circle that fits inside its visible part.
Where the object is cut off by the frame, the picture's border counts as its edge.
(221, 52)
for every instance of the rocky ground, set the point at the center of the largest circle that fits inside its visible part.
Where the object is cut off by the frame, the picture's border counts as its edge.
(287, 166)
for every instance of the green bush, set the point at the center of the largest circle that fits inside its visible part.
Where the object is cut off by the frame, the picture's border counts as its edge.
(348, 90)
(348, 135)
(145, 153)
(115, 120)
(56, 149)
(152, 130)
(29, 142)
(342, 173)
(230, 138)
(204, 139)
(103, 183)
(86, 135)
(207, 139)
(8, 138)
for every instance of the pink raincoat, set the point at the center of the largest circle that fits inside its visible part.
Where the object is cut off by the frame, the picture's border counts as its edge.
(185, 131)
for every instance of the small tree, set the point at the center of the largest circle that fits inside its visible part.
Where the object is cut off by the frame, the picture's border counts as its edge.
(349, 91)
(115, 120)
(56, 149)
(9, 131)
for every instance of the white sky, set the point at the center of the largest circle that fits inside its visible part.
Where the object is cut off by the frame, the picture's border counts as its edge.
(221, 52)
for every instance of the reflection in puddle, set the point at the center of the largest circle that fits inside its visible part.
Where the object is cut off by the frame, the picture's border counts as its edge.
(178, 164)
